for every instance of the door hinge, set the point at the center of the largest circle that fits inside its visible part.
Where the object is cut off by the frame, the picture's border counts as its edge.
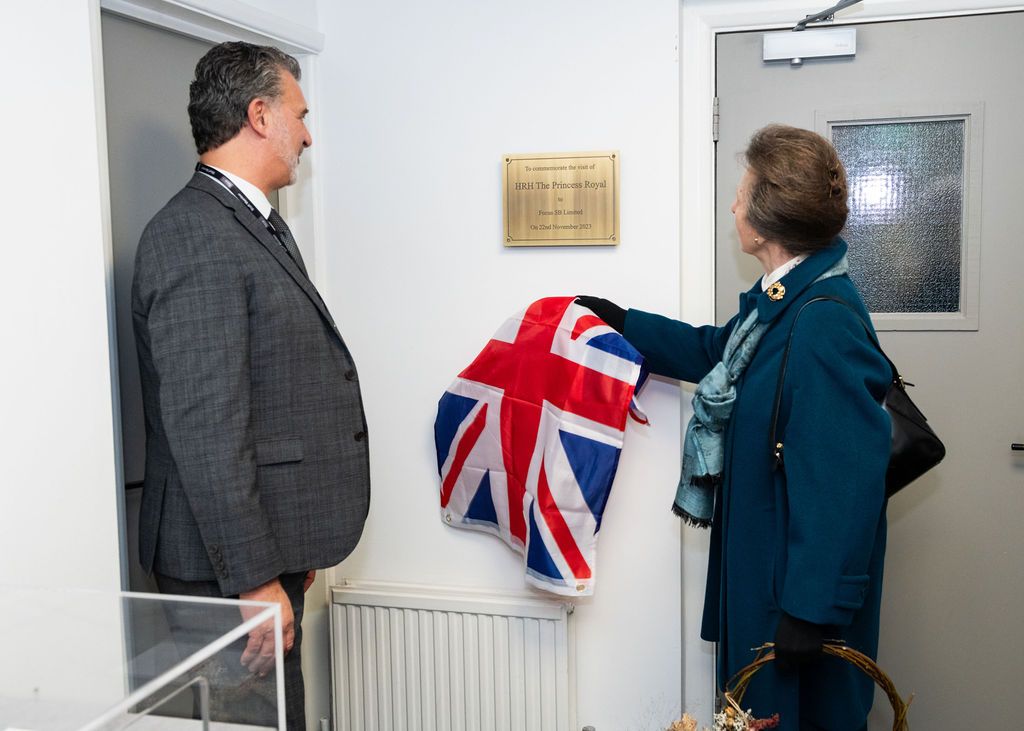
(714, 119)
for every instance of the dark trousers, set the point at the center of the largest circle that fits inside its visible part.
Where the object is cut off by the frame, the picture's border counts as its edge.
(236, 695)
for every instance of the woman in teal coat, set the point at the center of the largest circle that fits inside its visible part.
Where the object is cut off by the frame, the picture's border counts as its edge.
(797, 545)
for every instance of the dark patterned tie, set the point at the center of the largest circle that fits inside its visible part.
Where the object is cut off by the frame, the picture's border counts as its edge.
(284, 235)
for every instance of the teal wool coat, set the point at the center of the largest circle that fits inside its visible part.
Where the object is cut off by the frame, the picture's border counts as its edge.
(807, 538)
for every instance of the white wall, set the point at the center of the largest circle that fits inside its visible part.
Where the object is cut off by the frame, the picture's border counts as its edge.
(58, 499)
(418, 101)
(418, 104)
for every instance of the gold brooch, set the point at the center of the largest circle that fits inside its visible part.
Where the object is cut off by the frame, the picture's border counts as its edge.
(776, 291)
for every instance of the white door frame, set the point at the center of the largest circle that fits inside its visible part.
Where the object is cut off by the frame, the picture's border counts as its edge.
(221, 20)
(700, 21)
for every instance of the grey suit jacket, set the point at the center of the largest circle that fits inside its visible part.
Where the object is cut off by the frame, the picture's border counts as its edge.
(256, 445)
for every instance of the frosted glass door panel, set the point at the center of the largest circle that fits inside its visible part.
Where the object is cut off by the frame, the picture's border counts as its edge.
(906, 184)
(914, 229)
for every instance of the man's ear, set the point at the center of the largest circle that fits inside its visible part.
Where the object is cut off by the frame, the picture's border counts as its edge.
(258, 116)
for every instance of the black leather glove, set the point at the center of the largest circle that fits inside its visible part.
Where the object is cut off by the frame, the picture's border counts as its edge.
(797, 643)
(608, 311)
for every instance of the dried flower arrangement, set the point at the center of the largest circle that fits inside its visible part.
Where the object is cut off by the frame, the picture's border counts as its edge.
(731, 718)
(728, 720)
(734, 718)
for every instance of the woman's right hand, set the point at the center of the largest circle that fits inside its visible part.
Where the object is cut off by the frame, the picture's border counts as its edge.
(607, 310)
(797, 643)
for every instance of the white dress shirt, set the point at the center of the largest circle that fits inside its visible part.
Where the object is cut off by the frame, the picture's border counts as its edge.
(769, 279)
(253, 193)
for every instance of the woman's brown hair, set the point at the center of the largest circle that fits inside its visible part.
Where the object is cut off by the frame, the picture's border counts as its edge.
(798, 196)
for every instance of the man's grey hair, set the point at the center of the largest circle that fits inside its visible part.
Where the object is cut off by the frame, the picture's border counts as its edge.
(228, 78)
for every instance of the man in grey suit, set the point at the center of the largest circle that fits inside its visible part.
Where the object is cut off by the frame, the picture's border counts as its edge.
(257, 468)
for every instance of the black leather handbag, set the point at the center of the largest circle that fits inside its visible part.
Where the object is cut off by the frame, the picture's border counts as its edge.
(915, 447)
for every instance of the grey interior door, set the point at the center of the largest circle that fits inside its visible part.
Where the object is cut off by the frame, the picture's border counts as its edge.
(146, 73)
(954, 586)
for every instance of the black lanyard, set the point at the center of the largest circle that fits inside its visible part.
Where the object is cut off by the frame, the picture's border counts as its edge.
(235, 191)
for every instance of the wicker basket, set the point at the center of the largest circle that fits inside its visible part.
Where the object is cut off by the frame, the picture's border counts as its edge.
(737, 685)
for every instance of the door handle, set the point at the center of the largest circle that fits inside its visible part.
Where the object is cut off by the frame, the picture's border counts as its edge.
(1017, 447)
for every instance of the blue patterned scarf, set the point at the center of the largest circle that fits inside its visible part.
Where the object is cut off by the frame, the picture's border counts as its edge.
(713, 401)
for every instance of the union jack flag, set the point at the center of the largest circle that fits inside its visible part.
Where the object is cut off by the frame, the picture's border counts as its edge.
(528, 438)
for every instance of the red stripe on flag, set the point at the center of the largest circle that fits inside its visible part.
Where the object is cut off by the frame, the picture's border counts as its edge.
(585, 323)
(466, 445)
(560, 529)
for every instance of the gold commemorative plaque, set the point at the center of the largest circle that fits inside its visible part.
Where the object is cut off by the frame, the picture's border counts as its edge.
(561, 199)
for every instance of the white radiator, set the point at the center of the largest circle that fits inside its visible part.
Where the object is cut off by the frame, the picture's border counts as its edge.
(415, 658)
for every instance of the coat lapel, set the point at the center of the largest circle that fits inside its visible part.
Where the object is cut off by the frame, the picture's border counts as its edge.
(266, 239)
(799, 279)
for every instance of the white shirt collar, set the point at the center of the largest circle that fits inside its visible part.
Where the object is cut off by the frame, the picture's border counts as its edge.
(253, 193)
(769, 279)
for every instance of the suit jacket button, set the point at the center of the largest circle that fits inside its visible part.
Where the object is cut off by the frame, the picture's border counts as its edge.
(359, 436)
(350, 375)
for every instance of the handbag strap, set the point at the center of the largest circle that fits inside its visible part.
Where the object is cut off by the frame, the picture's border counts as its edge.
(775, 444)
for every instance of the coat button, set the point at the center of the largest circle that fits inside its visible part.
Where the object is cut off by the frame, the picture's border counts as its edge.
(350, 375)
(359, 436)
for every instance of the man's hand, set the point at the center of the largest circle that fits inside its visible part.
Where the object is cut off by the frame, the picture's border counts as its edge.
(308, 581)
(258, 655)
